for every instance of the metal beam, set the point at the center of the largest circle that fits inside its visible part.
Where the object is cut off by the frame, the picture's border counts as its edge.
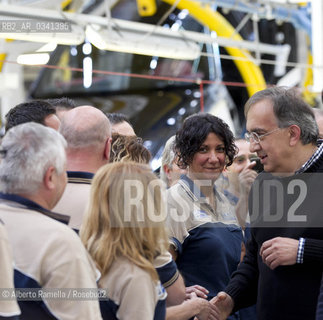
(118, 25)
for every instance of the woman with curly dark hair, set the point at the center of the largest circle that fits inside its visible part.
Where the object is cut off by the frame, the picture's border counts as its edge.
(206, 238)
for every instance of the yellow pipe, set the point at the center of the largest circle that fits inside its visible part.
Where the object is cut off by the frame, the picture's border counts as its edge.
(65, 4)
(308, 95)
(146, 7)
(2, 59)
(250, 72)
(307, 83)
(3, 56)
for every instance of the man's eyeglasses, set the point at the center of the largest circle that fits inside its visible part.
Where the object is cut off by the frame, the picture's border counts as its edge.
(255, 137)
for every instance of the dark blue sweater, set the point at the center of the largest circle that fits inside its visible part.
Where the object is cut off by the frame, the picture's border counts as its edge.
(287, 292)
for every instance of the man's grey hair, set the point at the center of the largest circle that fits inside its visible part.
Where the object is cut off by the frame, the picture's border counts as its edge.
(85, 127)
(168, 157)
(289, 109)
(27, 151)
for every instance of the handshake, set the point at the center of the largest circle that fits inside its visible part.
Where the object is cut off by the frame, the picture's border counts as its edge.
(220, 307)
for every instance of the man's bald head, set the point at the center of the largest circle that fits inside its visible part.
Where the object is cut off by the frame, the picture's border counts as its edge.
(85, 127)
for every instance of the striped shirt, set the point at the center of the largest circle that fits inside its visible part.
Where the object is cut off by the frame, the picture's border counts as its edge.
(316, 155)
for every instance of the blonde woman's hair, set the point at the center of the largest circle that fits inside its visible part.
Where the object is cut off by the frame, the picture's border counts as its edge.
(110, 231)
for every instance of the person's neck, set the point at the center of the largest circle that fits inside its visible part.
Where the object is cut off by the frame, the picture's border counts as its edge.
(86, 164)
(37, 198)
(304, 153)
(206, 186)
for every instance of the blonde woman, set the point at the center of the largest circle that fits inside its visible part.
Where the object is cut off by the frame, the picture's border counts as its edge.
(124, 237)
(123, 241)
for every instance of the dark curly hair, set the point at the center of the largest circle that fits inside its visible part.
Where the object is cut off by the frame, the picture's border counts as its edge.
(194, 132)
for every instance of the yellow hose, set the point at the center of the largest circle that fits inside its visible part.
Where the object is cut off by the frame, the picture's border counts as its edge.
(146, 7)
(250, 72)
(308, 95)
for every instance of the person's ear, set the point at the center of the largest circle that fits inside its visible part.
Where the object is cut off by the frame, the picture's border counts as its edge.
(107, 149)
(294, 134)
(49, 178)
(167, 171)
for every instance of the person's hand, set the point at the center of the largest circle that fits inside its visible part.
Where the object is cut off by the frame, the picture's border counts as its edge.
(198, 290)
(243, 251)
(204, 310)
(194, 306)
(246, 178)
(279, 252)
(224, 305)
(208, 311)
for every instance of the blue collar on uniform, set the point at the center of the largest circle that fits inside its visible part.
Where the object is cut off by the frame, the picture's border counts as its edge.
(231, 197)
(29, 204)
(80, 177)
(192, 186)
